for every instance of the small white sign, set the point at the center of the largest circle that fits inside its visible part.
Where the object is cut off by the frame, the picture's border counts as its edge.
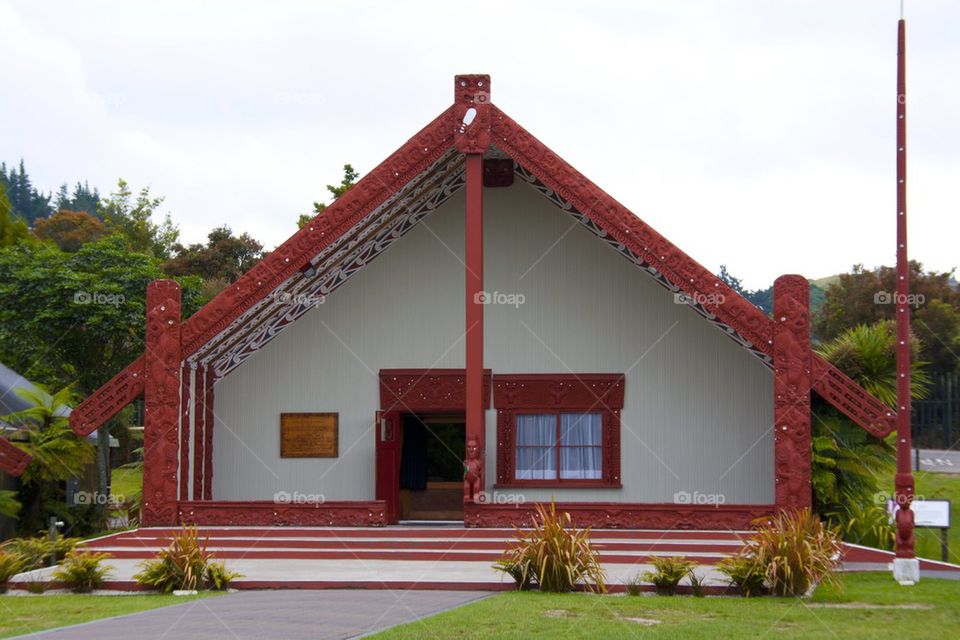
(927, 513)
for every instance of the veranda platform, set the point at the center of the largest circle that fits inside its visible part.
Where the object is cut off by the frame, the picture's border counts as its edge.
(430, 557)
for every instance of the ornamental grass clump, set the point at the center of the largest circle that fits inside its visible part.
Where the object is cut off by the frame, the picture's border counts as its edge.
(10, 565)
(83, 571)
(788, 555)
(185, 565)
(553, 555)
(37, 552)
(668, 572)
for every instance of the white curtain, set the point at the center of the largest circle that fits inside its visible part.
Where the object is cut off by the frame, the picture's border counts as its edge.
(536, 447)
(581, 440)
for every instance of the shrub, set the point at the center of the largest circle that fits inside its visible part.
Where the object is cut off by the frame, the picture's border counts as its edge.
(218, 577)
(866, 524)
(789, 553)
(181, 566)
(185, 565)
(36, 587)
(37, 551)
(554, 555)
(634, 585)
(83, 571)
(10, 565)
(696, 584)
(744, 572)
(668, 572)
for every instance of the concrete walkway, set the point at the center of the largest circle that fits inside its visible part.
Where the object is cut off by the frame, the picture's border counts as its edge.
(272, 615)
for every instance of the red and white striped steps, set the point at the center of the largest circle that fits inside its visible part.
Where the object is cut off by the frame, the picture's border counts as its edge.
(410, 557)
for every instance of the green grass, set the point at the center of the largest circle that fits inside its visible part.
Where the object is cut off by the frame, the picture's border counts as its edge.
(21, 615)
(126, 482)
(940, 486)
(927, 610)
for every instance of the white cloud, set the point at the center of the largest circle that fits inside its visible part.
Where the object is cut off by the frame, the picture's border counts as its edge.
(753, 133)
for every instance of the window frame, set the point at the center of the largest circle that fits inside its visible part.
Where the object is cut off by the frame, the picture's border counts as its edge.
(556, 394)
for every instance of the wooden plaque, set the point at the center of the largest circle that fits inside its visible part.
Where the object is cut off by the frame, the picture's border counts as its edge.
(309, 435)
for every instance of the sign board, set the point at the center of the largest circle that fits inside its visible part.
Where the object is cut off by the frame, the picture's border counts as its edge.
(309, 435)
(928, 513)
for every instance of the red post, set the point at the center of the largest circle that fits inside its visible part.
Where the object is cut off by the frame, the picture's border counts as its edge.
(903, 483)
(472, 138)
(791, 389)
(184, 432)
(475, 302)
(199, 414)
(161, 395)
(208, 419)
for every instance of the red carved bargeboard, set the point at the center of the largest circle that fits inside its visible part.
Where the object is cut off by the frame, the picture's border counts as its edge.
(108, 400)
(621, 515)
(368, 513)
(791, 391)
(412, 390)
(13, 459)
(161, 416)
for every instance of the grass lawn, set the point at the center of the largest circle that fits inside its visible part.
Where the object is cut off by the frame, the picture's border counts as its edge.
(126, 482)
(869, 606)
(21, 615)
(940, 486)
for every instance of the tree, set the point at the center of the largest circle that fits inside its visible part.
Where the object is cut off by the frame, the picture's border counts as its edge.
(222, 260)
(27, 202)
(349, 179)
(866, 296)
(69, 230)
(134, 219)
(13, 229)
(82, 198)
(731, 280)
(57, 454)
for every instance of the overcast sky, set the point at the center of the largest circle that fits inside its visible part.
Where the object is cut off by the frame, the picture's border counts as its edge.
(757, 134)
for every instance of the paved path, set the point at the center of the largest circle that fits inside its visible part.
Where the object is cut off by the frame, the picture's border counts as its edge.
(273, 615)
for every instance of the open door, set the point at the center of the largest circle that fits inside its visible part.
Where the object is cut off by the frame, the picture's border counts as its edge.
(388, 463)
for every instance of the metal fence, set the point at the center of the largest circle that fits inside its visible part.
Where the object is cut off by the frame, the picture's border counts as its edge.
(936, 420)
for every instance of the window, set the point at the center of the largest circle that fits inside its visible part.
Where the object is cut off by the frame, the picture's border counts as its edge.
(569, 442)
(558, 429)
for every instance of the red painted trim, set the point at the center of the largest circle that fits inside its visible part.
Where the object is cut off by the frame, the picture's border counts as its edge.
(108, 400)
(161, 396)
(474, 303)
(903, 480)
(13, 459)
(791, 392)
(555, 393)
(437, 390)
(209, 420)
(263, 513)
(623, 515)
(199, 413)
(184, 433)
(387, 479)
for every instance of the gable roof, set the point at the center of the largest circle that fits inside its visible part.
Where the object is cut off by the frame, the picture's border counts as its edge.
(413, 181)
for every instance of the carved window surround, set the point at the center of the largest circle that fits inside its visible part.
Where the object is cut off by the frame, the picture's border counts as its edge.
(515, 394)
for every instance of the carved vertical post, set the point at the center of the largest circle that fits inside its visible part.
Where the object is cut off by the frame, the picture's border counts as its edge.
(791, 391)
(161, 394)
(184, 432)
(199, 414)
(472, 135)
(208, 421)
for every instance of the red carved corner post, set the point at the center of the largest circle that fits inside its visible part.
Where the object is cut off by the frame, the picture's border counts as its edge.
(161, 394)
(792, 363)
(472, 137)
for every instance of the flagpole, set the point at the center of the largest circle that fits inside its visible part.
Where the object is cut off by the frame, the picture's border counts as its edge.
(906, 567)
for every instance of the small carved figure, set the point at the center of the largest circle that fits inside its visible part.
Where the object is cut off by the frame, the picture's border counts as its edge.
(473, 472)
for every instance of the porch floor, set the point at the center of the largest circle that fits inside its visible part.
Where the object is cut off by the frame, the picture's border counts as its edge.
(427, 557)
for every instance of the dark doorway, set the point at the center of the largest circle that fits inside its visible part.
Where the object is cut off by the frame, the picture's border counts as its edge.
(431, 466)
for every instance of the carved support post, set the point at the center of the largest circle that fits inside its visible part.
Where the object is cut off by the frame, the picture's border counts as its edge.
(903, 482)
(791, 391)
(184, 432)
(161, 393)
(208, 421)
(472, 108)
(199, 414)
